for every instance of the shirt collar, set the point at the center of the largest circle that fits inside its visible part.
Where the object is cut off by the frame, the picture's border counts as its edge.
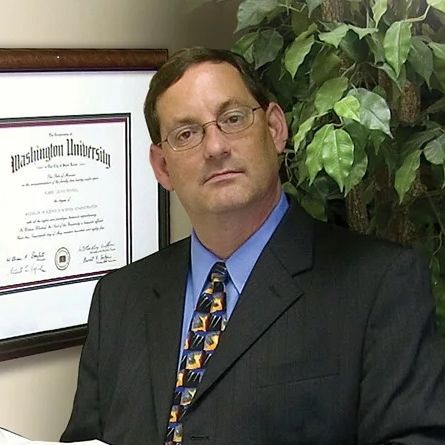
(241, 262)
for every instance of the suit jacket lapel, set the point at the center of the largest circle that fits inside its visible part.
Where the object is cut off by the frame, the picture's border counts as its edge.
(270, 290)
(164, 322)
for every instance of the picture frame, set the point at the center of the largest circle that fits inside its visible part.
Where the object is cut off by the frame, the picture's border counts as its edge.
(80, 197)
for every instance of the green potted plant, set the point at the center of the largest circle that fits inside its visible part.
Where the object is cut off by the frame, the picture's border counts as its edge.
(362, 86)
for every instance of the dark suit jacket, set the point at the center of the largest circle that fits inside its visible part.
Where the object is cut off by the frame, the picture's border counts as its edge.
(332, 342)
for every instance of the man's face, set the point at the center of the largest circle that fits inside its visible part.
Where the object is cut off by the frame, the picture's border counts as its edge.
(225, 172)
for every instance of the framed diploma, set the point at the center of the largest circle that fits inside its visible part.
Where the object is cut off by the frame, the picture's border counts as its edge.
(78, 198)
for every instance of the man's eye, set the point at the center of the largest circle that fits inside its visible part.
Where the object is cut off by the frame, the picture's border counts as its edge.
(233, 118)
(185, 134)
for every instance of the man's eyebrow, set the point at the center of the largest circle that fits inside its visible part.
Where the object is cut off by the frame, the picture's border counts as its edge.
(183, 121)
(226, 105)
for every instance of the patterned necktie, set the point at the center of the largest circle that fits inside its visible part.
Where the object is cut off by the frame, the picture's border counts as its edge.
(208, 321)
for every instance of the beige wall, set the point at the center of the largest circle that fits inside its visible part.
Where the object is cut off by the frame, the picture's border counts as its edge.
(115, 24)
(36, 392)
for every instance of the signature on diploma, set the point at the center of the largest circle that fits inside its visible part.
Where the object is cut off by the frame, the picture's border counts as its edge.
(34, 255)
(34, 268)
(31, 262)
(102, 258)
(98, 253)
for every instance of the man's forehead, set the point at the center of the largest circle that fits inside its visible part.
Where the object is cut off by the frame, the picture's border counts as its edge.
(203, 72)
(217, 83)
(212, 66)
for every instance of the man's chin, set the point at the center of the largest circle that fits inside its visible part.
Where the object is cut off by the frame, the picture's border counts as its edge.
(226, 203)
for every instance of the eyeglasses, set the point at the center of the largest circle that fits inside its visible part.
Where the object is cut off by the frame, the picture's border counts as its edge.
(231, 121)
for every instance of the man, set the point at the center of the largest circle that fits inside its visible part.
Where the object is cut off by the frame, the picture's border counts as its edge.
(317, 335)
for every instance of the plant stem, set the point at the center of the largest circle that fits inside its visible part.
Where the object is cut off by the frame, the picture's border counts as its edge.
(432, 194)
(352, 67)
(439, 221)
(436, 251)
(289, 7)
(421, 18)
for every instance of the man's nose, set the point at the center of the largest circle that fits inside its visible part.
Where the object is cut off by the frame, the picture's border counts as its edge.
(215, 142)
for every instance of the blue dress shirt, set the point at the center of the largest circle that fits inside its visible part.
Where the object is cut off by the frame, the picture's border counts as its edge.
(239, 266)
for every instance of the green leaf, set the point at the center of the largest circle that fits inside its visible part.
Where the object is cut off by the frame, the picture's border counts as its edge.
(244, 46)
(362, 32)
(303, 130)
(329, 93)
(313, 4)
(296, 54)
(438, 49)
(302, 172)
(434, 151)
(299, 21)
(307, 110)
(314, 151)
(375, 43)
(325, 65)
(348, 107)
(378, 89)
(253, 12)
(420, 58)
(315, 206)
(266, 47)
(354, 48)
(359, 134)
(437, 106)
(419, 138)
(437, 4)
(397, 43)
(438, 79)
(374, 111)
(378, 9)
(335, 36)
(377, 139)
(289, 188)
(398, 80)
(406, 174)
(310, 30)
(293, 117)
(358, 170)
(338, 156)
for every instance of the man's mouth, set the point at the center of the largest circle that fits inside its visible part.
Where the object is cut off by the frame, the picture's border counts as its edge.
(222, 175)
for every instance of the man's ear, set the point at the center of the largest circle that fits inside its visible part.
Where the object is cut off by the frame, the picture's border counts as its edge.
(277, 124)
(159, 166)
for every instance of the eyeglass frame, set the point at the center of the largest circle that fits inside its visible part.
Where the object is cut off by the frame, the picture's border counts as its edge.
(206, 124)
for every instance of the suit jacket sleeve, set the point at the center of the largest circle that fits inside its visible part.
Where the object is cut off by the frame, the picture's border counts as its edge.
(403, 386)
(84, 423)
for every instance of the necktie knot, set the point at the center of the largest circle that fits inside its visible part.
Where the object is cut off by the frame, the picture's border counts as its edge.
(218, 272)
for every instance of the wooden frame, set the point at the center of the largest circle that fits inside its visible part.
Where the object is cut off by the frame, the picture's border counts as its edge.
(80, 65)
